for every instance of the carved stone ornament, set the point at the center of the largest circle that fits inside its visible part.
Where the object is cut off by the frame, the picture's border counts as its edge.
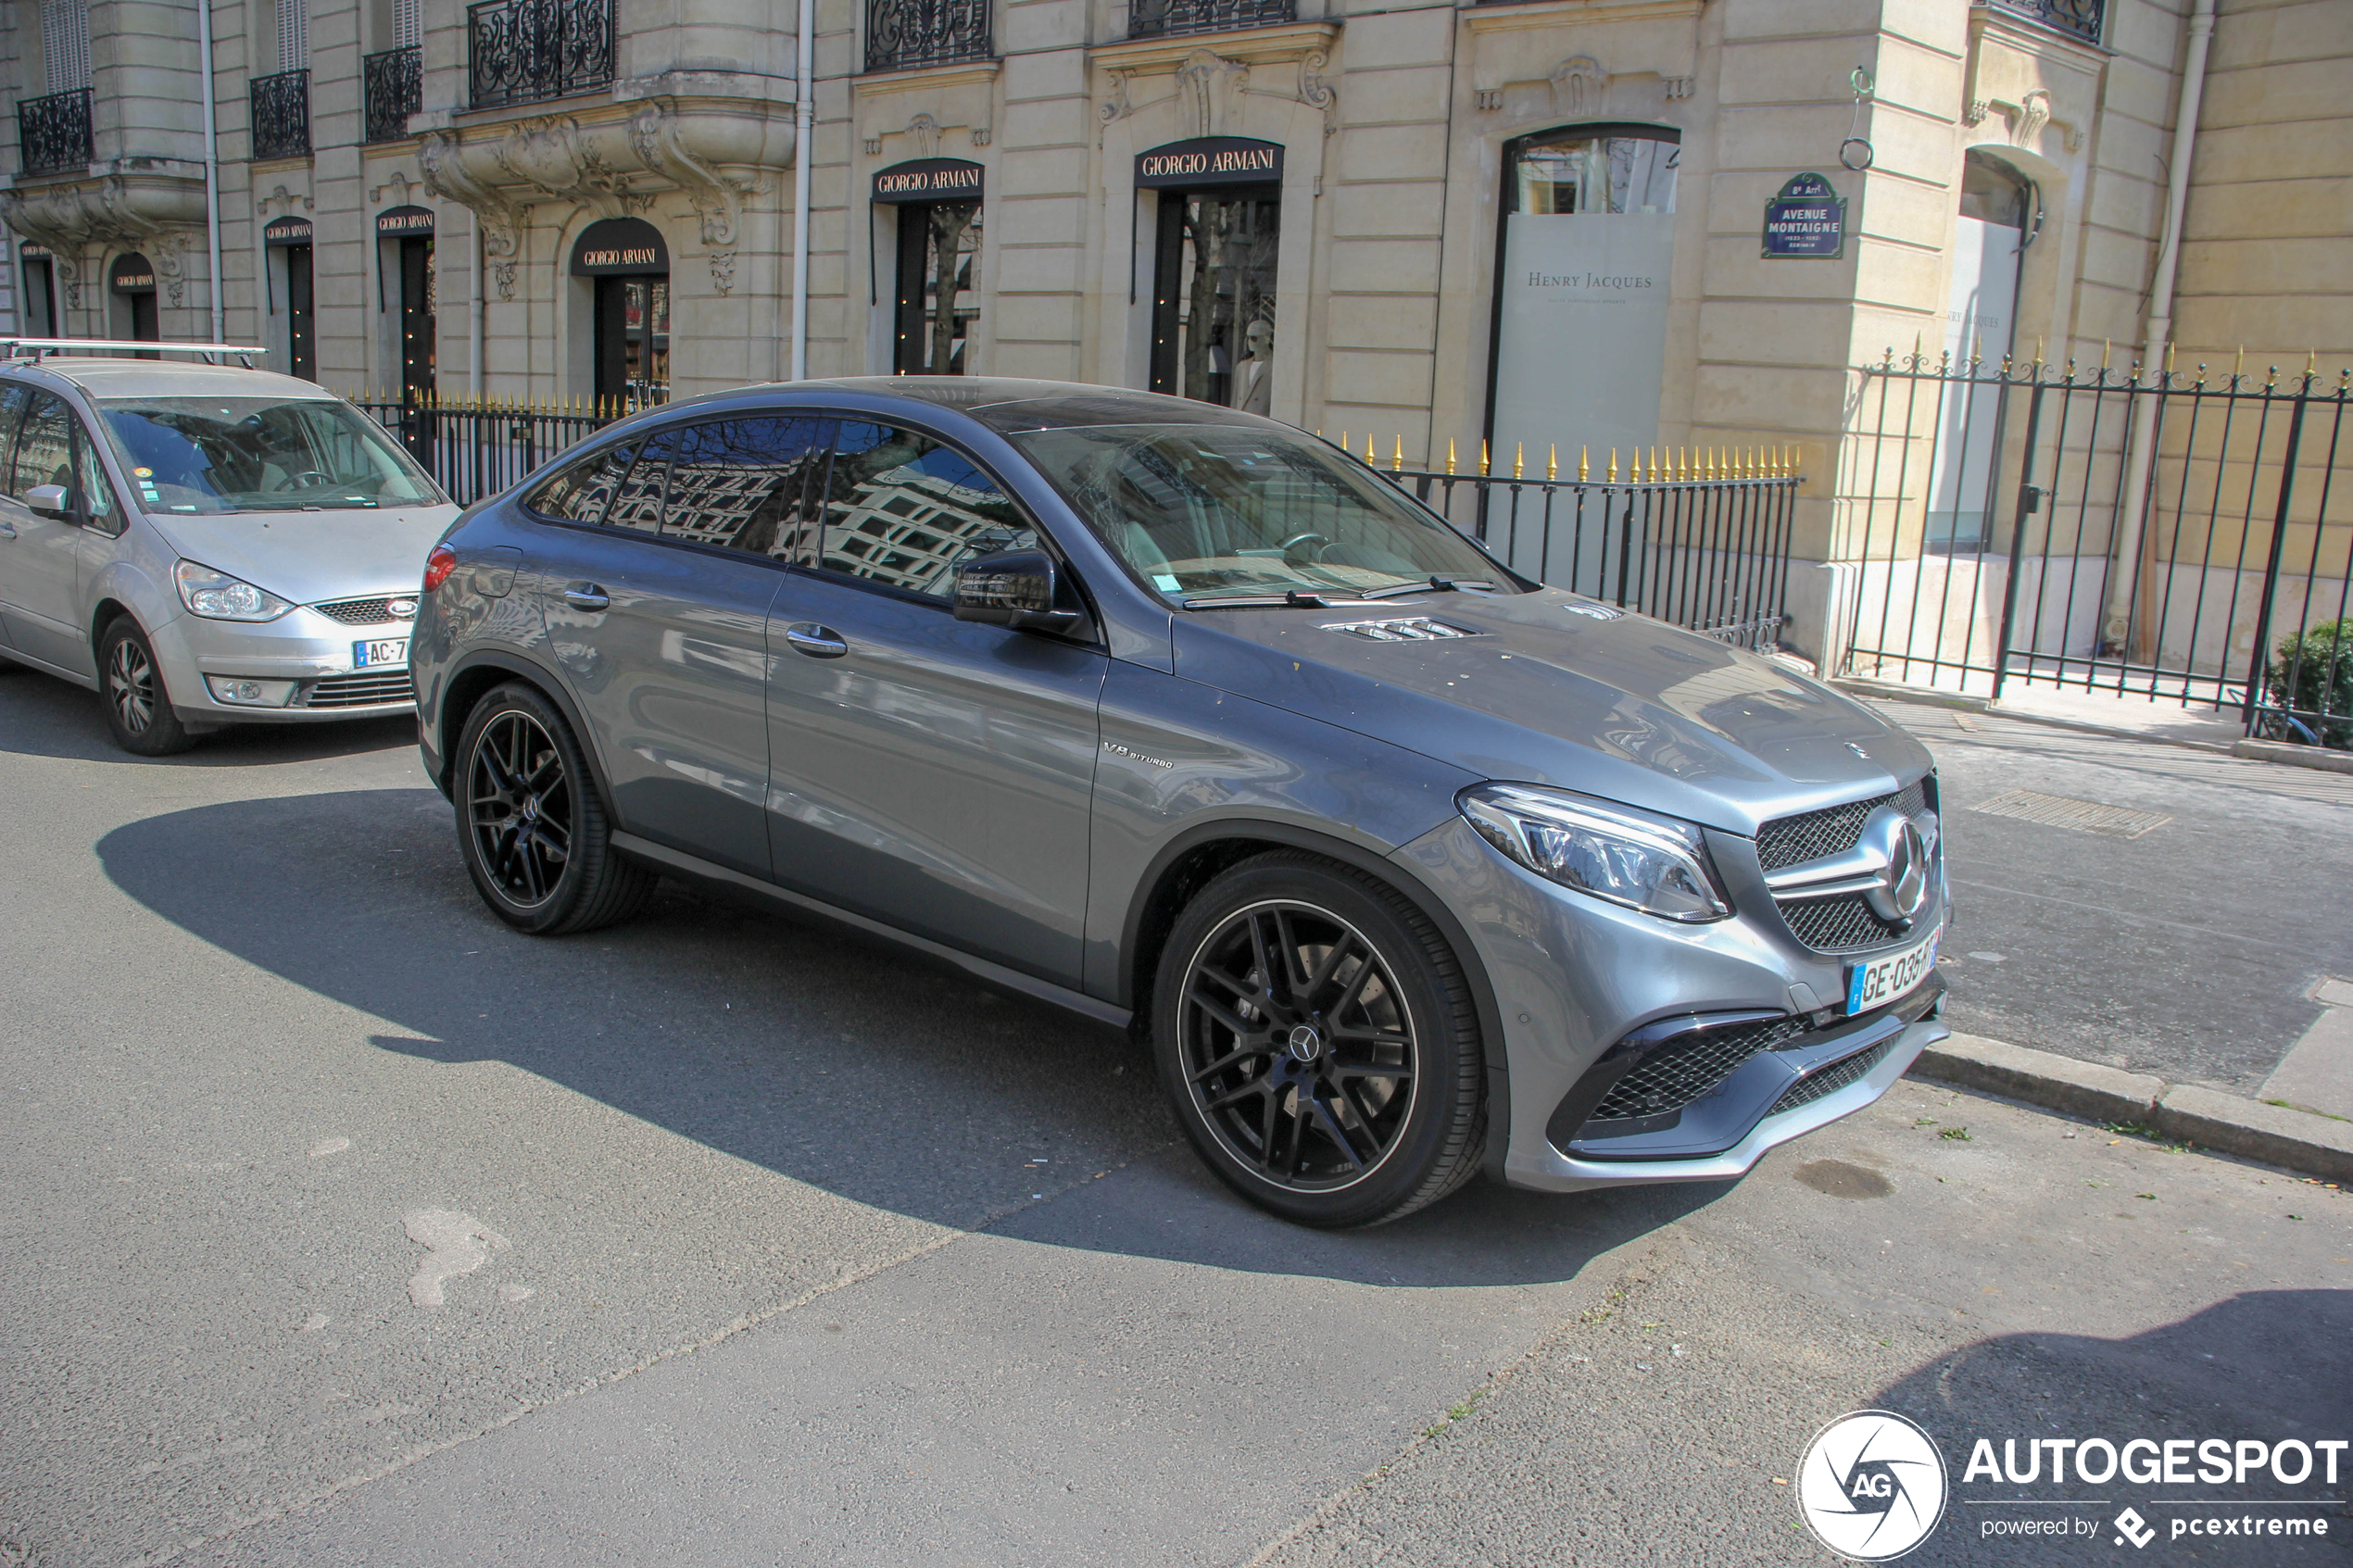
(1313, 91)
(873, 147)
(925, 130)
(1676, 87)
(1973, 113)
(283, 200)
(440, 154)
(1116, 104)
(723, 271)
(1580, 87)
(980, 135)
(504, 273)
(2033, 114)
(394, 192)
(717, 199)
(1487, 98)
(1207, 87)
(159, 215)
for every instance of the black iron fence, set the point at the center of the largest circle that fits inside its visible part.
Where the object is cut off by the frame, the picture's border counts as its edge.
(475, 447)
(904, 34)
(2170, 537)
(53, 133)
(1152, 19)
(392, 87)
(523, 51)
(1699, 538)
(280, 106)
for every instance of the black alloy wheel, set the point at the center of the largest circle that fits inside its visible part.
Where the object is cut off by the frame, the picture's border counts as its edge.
(533, 833)
(138, 708)
(1318, 1043)
(519, 801)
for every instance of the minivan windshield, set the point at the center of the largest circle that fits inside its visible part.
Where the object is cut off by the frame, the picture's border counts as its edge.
(1210, 513)
(258, 455)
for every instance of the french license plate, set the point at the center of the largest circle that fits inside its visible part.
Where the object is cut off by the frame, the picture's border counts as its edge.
(391, 651)
(1882, 980)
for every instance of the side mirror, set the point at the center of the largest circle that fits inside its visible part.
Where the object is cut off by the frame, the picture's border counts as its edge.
(1018, 588)
(49, 500)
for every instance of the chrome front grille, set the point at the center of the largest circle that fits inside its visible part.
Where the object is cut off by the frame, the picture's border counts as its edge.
(377, 611)
(1846, 924)
(367, 689)
(1793, 841)
(1688, 1067)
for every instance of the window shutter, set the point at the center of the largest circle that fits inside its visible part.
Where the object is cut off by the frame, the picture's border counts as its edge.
(64, 43)
(407, 23)
(294, 34)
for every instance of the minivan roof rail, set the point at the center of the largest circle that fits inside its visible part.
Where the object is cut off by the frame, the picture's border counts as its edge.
(41, 347)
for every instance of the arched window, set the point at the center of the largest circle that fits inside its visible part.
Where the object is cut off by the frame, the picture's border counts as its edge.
(1980, 327)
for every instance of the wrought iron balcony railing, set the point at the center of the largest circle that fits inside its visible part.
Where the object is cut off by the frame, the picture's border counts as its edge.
(902, 34)
(393, 84)
(522, 51)
(1154, 18)
(53, 133)
(280, 115)
(2079, 18)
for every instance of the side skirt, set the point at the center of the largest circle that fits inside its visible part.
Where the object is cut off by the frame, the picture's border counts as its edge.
(678, 862)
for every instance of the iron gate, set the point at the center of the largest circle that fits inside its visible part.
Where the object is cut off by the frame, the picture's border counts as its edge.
(2176, 536)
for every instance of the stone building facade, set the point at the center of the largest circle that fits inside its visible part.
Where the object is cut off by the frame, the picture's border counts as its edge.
(1536, 225)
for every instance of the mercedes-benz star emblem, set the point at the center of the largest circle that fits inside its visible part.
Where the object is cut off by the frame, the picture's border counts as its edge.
(1903, 881)
(1305, 1044)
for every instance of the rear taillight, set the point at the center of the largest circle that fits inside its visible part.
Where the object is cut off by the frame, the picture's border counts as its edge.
(439, 564)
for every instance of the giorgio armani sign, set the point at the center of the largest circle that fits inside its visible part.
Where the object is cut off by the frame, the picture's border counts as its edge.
(620, 246)
(929, 179)
(1210, 160)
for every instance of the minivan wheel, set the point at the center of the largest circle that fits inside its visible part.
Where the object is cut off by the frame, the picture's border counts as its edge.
(535, 836)
(138, 708)
(1318, 1043)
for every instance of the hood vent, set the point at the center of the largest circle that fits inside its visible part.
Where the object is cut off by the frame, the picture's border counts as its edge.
(1414, 629)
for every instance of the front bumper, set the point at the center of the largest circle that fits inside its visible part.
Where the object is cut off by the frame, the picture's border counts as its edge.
(1572, 976)
(304, 646)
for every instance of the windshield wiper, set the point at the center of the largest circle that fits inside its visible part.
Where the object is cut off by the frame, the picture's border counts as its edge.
(1293, 599)
(1434, 584)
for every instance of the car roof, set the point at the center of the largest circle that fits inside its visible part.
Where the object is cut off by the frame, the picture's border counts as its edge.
(1007, 404)
(103, 377)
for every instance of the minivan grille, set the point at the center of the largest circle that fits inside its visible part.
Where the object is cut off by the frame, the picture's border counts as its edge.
(377, 611)
(388, 684)
(1793, 841)
(1687, 1068)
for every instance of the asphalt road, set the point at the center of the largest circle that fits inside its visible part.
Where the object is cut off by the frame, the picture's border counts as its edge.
(345, 1226)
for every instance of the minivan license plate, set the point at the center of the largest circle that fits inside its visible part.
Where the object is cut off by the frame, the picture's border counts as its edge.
(391, 651)
(1882, 980)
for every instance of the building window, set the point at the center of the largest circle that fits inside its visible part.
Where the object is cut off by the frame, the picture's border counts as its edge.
(393, 85)
(904, 34)
(1152, 19)
(53, 133)
(281, 108)
(64, 43)
(523, 51)
(294, 34)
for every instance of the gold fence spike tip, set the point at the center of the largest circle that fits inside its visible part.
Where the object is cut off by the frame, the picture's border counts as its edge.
(1343, 441)
(1397, 459)
(1519, 458)
(1450, 454)
(1486, 463)
(1552, 462)
(1319, 433)
(1371, 458)
(2104, 348)
(1613, 465)
(1584, 464)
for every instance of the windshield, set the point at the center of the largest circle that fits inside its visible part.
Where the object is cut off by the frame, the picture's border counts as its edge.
(1231, 512)
(258, 455)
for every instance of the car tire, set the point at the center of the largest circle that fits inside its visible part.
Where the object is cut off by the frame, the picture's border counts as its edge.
(1280, 1086)
(138, 706)
(533, 832)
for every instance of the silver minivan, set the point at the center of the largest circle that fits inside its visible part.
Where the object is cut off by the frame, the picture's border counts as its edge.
(1408, 868)
(205, 543)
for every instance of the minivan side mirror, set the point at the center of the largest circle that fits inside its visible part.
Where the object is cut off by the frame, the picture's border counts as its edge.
(49, 500)
(1016, 588)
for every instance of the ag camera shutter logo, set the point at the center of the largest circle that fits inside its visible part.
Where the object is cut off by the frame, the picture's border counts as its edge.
(1872, 1486)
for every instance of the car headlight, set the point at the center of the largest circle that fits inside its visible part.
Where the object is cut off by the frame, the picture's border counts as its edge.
(1656, 865)
(216, 596)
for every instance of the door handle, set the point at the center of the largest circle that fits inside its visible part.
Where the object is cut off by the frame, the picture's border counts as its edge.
(817, 642)
(586, 596)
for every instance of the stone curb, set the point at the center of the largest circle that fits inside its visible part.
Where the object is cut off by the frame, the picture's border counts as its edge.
(2295, 755)
(2301, 1141)
(1887, 691)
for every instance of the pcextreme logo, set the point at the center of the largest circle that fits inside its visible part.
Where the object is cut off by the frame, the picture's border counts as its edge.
(1872, 1486)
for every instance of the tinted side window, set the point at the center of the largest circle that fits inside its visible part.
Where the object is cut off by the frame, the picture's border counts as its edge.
(97, 496)
(12, 402)
(744, 482)
(580, 491)
(638, 503)
(904, 509)
(45, 445)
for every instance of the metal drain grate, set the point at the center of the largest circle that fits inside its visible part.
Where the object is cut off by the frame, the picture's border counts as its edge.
(2062, 811)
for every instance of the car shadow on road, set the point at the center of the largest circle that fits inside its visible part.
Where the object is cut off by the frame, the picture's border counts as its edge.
(2268, 1364)
(791, 1045)
(41, 716)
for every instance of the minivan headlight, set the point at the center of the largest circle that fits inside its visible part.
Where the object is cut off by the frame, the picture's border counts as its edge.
(216, 596)
(1656, 865)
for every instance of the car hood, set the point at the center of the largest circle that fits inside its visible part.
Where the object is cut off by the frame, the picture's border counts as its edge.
(310, 556)
(1552, 688)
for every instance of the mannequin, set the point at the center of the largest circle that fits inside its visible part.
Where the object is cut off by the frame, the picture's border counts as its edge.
(1255, 376)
